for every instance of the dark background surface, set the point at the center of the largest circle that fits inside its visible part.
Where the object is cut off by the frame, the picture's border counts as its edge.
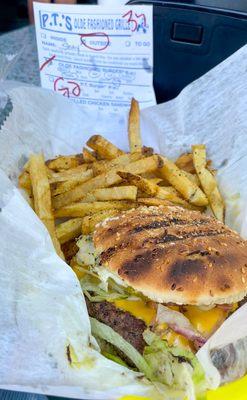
(14, 13)
(9, 395)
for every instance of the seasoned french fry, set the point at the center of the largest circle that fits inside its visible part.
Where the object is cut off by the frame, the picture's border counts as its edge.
(62, 163)
(80, 191)
(208, 181)
(107, 179)
(185, 162)
(152, 189)
(164, 182)
(24, 181)
(103, 147)
(82, 209)
(69, 230)
(144, 165)
(42, 197)
(192, 177)
(147, 151)
(149, 175)
(99, 167)
(80, 173)
(30, 201)
(156, 181)
(89, 222)
(112, 193)
(147, 201)
(143, 184)
(155, 201)
(135, 143)
(88, 155)
(40, 187)
(29, 197)
(62, 187)
(176, 177)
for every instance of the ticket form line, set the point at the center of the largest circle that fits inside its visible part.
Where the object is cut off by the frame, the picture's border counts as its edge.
(105, 82)
(105, 99)
(98, 65)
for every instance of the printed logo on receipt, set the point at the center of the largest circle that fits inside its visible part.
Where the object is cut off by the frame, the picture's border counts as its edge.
(97, 56)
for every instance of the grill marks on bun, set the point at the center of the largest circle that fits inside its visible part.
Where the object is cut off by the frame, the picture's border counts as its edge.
(163, 236)
(174, 255)
(139, 265)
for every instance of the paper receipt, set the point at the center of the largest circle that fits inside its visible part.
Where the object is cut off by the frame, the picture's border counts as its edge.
(97, 56)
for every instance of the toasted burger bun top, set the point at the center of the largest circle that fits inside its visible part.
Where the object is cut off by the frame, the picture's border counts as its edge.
(174, 255)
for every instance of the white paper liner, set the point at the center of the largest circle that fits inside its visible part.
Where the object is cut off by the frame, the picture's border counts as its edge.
(43, 311)
(41, 304)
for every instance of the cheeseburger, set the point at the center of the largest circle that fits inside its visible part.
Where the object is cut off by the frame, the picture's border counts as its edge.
(159, 281)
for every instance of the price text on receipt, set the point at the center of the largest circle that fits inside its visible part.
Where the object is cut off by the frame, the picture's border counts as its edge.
(97, 56)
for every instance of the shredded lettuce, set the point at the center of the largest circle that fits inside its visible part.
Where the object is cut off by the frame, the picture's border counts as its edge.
(114, 358)
(198, 374)
(99, 283)
(96, 291)
(175, 366)
(87, 255)
(172, 370)
(159, 358)
(105, 332)
(92, 288)
(105, 275)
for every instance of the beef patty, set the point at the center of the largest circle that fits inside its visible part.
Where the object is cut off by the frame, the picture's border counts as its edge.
(122, 322)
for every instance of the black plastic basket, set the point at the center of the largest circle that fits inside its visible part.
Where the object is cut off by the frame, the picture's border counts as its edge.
(191, 37)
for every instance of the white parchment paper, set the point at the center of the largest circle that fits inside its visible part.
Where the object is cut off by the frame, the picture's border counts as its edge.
(42, 309)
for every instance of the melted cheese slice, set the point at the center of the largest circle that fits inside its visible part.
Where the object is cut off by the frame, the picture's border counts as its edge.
(146, 312)
(138, 308)
(174, 339)
(205, 322)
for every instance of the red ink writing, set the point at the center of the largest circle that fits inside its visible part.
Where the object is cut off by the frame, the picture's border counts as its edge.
(67, 88)
(76, 91)
(47, 62)
(97, 45)
(137, 20)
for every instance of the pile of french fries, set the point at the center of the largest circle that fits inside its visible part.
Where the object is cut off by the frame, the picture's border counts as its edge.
(71, 194)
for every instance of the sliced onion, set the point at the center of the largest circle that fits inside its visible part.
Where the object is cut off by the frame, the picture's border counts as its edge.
(179, 324)
(225, 307)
